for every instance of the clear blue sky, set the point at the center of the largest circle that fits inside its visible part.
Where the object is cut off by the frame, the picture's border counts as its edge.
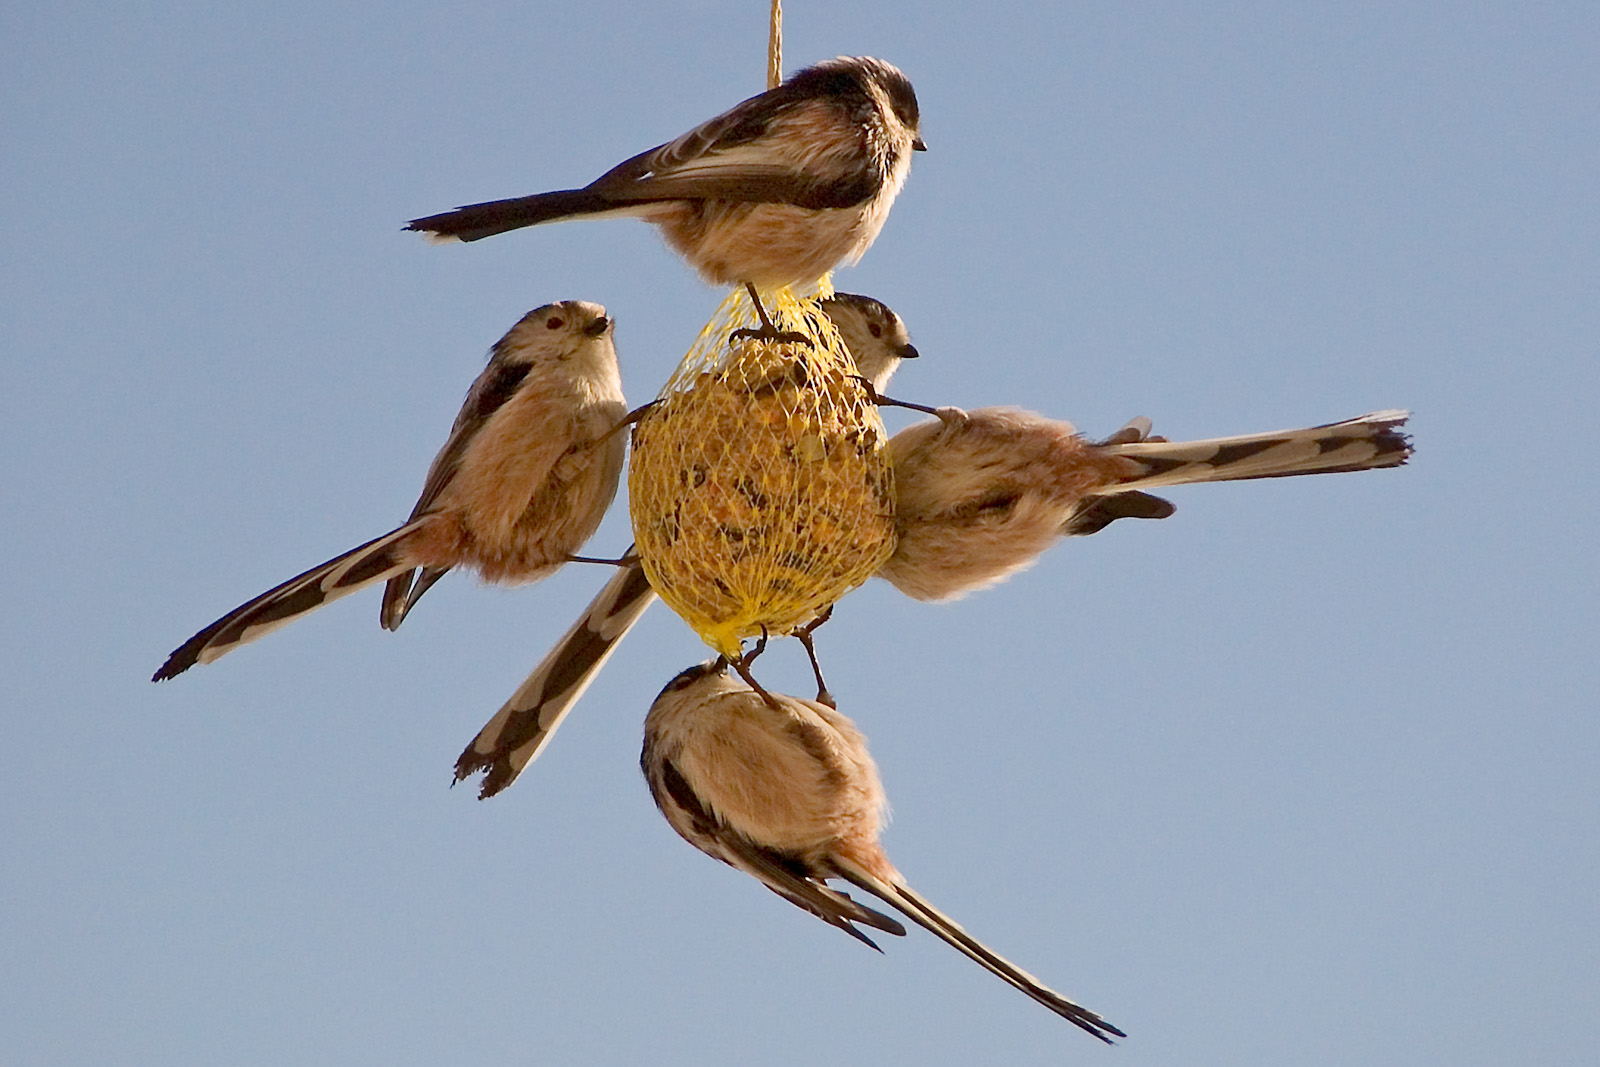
(1307, 774)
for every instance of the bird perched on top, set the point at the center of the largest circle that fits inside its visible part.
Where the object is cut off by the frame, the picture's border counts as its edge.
(979, 498)
(527, 473)
(520, 730)
(776, 191)
(785, 790)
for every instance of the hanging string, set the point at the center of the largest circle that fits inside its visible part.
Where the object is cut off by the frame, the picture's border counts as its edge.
(775, 46)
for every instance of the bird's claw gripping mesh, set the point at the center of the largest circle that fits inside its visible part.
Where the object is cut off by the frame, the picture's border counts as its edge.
(759, 483)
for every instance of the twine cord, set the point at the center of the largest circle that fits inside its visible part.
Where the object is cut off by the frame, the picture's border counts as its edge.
(775, 46)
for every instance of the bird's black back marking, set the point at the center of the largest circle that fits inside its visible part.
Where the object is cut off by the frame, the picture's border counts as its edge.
(678, 788)
(501, 387)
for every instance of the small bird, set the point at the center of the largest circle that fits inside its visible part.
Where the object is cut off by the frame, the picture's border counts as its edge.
(528, 471)
(979, 498)
(786, 791)
(524, 725)
(777, 191)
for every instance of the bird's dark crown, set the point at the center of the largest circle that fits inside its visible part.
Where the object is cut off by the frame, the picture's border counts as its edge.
(690, 675)
(867, 305)
(848, 75)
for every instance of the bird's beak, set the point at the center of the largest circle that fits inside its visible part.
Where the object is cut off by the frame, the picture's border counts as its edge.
(918, 145)
(599, 326)
(908, 351)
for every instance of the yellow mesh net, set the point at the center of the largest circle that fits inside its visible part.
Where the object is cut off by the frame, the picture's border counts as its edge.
(759, 484)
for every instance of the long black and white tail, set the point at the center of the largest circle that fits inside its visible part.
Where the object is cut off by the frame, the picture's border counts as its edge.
(1365, 443)
(524, 725)
(376, 561)
(900, 896)
(474, 222)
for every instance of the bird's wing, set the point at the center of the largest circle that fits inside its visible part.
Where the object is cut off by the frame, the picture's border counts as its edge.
(773, 148)
(783, 874)
(740, 124)
(496, 385)
(512, 462)
(784, 877)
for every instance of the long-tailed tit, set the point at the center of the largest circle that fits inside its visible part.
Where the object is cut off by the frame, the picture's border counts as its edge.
(776, 191)
(524, 725)
(980, 498)
(786, 792)
(522, 482)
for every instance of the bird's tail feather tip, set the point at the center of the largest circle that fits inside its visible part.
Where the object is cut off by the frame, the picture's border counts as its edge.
(432, 236)
(497, 773)
(468, 764)
(181, 659)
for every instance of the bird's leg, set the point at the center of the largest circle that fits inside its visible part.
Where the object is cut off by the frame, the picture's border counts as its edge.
(627, 420)
(804, 634)
(742, 665)
(946, 415)
(624, 560)
(767, 332)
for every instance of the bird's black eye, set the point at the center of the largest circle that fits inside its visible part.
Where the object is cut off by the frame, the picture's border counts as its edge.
(555, 322)
(875, 330)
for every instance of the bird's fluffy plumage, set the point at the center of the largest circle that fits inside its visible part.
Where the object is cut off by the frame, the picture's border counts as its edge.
(526, 475)
(777, 190)
(979, 498)
(785, 790)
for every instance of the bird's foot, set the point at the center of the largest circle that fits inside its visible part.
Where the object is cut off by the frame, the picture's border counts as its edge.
(768, 332)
